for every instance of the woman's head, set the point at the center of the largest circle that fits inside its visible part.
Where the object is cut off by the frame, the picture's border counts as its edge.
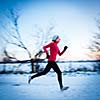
(56, 38)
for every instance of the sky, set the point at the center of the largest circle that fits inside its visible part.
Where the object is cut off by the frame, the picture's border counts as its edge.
(73, 20)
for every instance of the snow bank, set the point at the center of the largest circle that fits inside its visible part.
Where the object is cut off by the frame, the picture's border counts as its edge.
(81, 87)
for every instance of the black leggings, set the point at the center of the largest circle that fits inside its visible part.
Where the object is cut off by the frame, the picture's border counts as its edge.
(51, 64)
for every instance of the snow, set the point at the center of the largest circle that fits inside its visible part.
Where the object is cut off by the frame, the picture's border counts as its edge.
(81, 87)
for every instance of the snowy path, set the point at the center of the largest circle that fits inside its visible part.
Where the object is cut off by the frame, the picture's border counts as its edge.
(82, 87)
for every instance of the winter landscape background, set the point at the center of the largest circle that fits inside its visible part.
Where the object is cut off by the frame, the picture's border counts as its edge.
(26, 26)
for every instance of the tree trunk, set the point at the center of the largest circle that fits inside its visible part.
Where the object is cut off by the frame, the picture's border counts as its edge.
(32, 66)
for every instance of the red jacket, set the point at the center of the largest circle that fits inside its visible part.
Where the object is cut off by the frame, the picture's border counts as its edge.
(54, 50)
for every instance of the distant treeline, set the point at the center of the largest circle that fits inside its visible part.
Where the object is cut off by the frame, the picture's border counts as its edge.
(42, 61)
(8, 67)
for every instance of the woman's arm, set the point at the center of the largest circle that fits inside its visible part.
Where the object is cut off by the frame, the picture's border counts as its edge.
(60, 53)
(45, 48)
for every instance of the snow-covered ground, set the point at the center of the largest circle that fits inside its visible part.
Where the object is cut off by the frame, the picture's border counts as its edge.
(81, 87)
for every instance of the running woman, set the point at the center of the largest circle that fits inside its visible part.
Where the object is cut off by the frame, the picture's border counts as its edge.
(54, 50)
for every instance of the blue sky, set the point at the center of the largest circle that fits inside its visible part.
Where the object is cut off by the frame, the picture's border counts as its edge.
(73, 20)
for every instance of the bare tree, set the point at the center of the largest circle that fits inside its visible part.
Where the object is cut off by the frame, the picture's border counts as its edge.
(95, 44)
(11, 28)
